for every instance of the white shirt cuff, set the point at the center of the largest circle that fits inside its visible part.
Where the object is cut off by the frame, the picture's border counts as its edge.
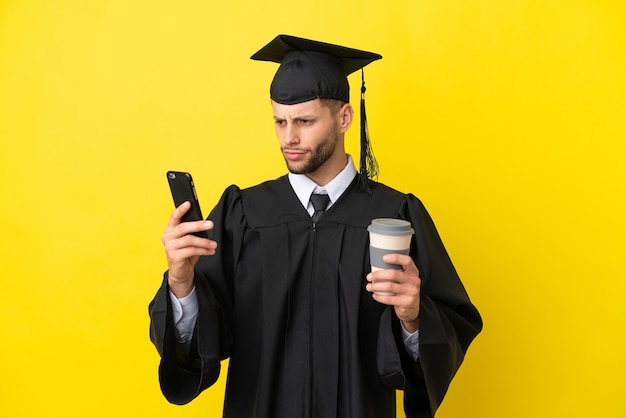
(185, 311)
(411, 342)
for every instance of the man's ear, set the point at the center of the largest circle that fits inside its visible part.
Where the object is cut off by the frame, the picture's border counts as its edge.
(346, 116)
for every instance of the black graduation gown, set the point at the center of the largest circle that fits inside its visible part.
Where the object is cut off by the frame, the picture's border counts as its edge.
(285, 300)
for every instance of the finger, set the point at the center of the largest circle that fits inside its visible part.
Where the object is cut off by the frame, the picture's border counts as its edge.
(394, 287)
(178, 214)
(182, 250)
(394, 275)
(176, 231)
(187, 255)
(183, 254)
(407, 304)
(175, 242)
(395, 281)
(405, 261)
(185, 228)
(382, 287)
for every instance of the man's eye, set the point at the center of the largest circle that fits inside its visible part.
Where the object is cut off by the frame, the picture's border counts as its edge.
(280, 123)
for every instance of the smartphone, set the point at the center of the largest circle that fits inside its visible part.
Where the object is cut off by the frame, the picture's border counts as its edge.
(183, 189)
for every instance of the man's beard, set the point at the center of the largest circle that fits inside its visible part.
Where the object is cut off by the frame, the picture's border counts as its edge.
(318, 156)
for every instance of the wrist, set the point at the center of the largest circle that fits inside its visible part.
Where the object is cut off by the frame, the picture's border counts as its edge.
(180, 289)
(411, 326)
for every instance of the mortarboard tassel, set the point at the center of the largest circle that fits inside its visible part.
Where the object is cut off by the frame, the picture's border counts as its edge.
(368, 168)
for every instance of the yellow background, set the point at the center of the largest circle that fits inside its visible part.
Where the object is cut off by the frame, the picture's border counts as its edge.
(505, 117)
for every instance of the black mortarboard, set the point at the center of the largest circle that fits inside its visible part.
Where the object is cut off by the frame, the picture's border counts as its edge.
(310, 70)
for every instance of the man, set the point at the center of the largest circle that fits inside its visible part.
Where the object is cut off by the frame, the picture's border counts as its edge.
(288, 295)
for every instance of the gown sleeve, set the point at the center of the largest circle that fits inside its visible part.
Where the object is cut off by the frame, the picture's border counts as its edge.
(184, 374)
(448, 323)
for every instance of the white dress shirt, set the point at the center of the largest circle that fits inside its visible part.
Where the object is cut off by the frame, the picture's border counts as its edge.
(185, 310)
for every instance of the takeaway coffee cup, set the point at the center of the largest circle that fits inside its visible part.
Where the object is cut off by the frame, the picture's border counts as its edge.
(388, 236)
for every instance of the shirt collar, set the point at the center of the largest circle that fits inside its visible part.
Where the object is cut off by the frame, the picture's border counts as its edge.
(304, 186)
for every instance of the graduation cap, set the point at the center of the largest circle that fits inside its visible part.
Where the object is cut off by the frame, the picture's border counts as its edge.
(317, 70)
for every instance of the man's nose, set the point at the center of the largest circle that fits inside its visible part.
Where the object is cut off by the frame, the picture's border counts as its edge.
(292, 134)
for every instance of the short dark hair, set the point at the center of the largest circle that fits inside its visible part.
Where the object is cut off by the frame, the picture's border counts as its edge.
(333, 104)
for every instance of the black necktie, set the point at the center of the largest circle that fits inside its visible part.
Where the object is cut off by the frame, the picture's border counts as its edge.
(319, 201)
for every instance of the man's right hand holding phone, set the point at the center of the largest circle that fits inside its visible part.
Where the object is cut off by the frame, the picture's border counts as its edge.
(184, 249)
